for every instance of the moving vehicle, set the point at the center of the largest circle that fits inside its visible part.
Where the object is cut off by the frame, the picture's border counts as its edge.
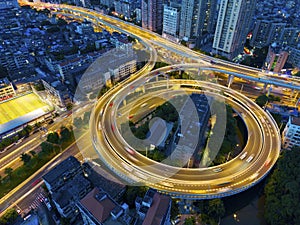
(129, 150)
(250, 158)
(243, 155)
(217, 170)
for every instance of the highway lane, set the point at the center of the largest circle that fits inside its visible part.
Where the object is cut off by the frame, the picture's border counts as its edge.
(26, 186)
(121, 146)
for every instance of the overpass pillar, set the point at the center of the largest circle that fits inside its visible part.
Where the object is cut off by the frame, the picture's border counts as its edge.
(230, 80)
(269, 91)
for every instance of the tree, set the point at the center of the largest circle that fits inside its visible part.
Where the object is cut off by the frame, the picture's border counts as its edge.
(8, 171)
(25, 158)
(282, 190)
(261, 100)
(132, 192)
(65, 134)
(9, 217)
(32, 153)
(53, 138)
(190, 221)
(216, 208)
(47, 147)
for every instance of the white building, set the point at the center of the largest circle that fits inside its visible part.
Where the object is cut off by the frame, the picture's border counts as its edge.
(291, 133)
(170, 22)
(233, 25)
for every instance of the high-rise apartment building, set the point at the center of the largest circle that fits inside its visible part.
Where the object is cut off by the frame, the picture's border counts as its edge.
(197, 19)
(171, 22)
(291, 37)
(233, 25)
(152, 15)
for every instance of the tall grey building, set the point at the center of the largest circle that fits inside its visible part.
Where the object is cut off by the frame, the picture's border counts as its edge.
(233, 25)
(152, 15)
(197, 19)
(266, 31)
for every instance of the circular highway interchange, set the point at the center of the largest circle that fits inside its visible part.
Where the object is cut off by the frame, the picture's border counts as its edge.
(248, 168)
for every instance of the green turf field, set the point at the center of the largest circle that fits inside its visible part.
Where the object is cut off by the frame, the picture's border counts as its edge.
(20, 106)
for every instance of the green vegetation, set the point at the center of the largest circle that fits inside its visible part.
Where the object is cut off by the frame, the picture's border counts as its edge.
(282, 190)
(262, 100)
(230, 138)
(190, 221)
(160, 65)
(33, 161)
(258, 58)
(140, 129)
(9, 217)
(39, 86)
(132, 192)
(211, 211)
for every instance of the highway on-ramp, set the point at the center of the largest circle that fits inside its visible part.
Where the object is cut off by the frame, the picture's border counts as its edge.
(238, 174)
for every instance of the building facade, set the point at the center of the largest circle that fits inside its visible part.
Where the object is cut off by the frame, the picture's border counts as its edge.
(6, 89)
(153, 208)
(276, 58)
(291, 133)
(171, 21)
(152, 15)
(57, 93)
(233, 25)
(197, 20)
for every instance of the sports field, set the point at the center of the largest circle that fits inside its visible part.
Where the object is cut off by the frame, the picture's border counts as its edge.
(17, 107)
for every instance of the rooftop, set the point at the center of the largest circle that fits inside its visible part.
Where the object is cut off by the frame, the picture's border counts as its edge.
(295, 120)
(65, 167)
(99, 208)
(156, 213)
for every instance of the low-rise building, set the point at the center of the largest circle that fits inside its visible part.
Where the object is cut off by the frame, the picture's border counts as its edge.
(291, 133)
(276, 58)
(57, 93)
(153, 209)
(6, 89)
(67, 196)
(60, 174)
(98, 208)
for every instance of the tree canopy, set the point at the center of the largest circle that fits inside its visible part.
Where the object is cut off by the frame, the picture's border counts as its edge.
(282, 190)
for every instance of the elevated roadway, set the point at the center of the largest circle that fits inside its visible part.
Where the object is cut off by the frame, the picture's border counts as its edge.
(234, 176)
